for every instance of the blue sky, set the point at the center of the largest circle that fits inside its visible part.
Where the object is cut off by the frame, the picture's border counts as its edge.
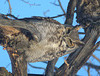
(20, 9)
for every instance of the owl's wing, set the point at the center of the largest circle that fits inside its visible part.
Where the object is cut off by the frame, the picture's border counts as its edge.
(30, 26)
(40, 26)
(39, 19)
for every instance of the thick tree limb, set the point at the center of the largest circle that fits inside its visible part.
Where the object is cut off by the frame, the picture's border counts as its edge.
(78, 58)
(70, 12)
(4, 72)
(19, 64)
(50, 67)
(19, 68)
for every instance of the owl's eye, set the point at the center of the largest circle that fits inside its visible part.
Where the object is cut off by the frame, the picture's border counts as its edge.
(68, 30)
(70, 43)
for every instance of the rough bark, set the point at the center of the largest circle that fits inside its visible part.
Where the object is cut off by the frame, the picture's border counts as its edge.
(50, 67)
(4, 72)
(77, 59)
(88, 16)
(19, 67)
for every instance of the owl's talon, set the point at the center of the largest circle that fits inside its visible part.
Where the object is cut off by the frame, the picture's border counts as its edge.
(15, 54)
(4, 48)
(66, 63)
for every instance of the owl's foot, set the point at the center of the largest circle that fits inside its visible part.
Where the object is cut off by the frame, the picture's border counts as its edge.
(5, 45)
(4, 48)
(66, 63)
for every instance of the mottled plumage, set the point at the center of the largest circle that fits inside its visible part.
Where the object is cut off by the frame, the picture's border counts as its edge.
(40, 39)
(53, 39)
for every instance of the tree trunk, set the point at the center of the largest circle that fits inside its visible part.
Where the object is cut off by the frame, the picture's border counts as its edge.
(87, 16)
(19, 68)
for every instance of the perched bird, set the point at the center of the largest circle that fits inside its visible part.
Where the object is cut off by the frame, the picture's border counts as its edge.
(52, 40)
(47, 38)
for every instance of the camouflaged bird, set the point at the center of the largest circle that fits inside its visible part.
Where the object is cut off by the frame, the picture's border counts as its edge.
(52, 39)
(48, 39)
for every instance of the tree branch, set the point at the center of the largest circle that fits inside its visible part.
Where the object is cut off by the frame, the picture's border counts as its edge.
(92, 66)
(30, 3)
(4, 72)
(70, 12)
(50, 67)
(79, 57)
(9, 6)
(57, 16)
(96, 58)
(61, 6)
(36, 67)
(88, 71)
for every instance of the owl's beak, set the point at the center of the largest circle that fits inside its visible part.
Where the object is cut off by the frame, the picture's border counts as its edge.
(80, 43)
(78, 27)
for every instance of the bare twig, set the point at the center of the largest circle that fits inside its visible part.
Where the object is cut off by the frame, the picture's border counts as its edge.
(7, 65)
(57, 16)
(54, 3)
(7, 16)
(96, 58)
(98, 49)
(30, 3)
(98, 72)
(2, 16)
(11, 16)
(36, 67)
(46, 12)
(84, 68)
(92, 66)
(9, 6)
(45, 62)
(88, 71)
(61, 6)
(81, 33)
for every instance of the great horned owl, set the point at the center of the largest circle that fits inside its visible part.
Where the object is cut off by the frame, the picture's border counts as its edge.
(52, 39)
(48, 39)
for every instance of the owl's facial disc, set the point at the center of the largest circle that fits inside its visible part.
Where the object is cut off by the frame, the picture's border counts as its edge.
(71, 37)
(69, 42)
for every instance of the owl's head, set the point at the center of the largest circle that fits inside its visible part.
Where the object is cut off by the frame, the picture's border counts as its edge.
(72, 37)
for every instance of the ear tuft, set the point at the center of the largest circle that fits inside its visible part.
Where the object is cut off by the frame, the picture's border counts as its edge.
(80, 43)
